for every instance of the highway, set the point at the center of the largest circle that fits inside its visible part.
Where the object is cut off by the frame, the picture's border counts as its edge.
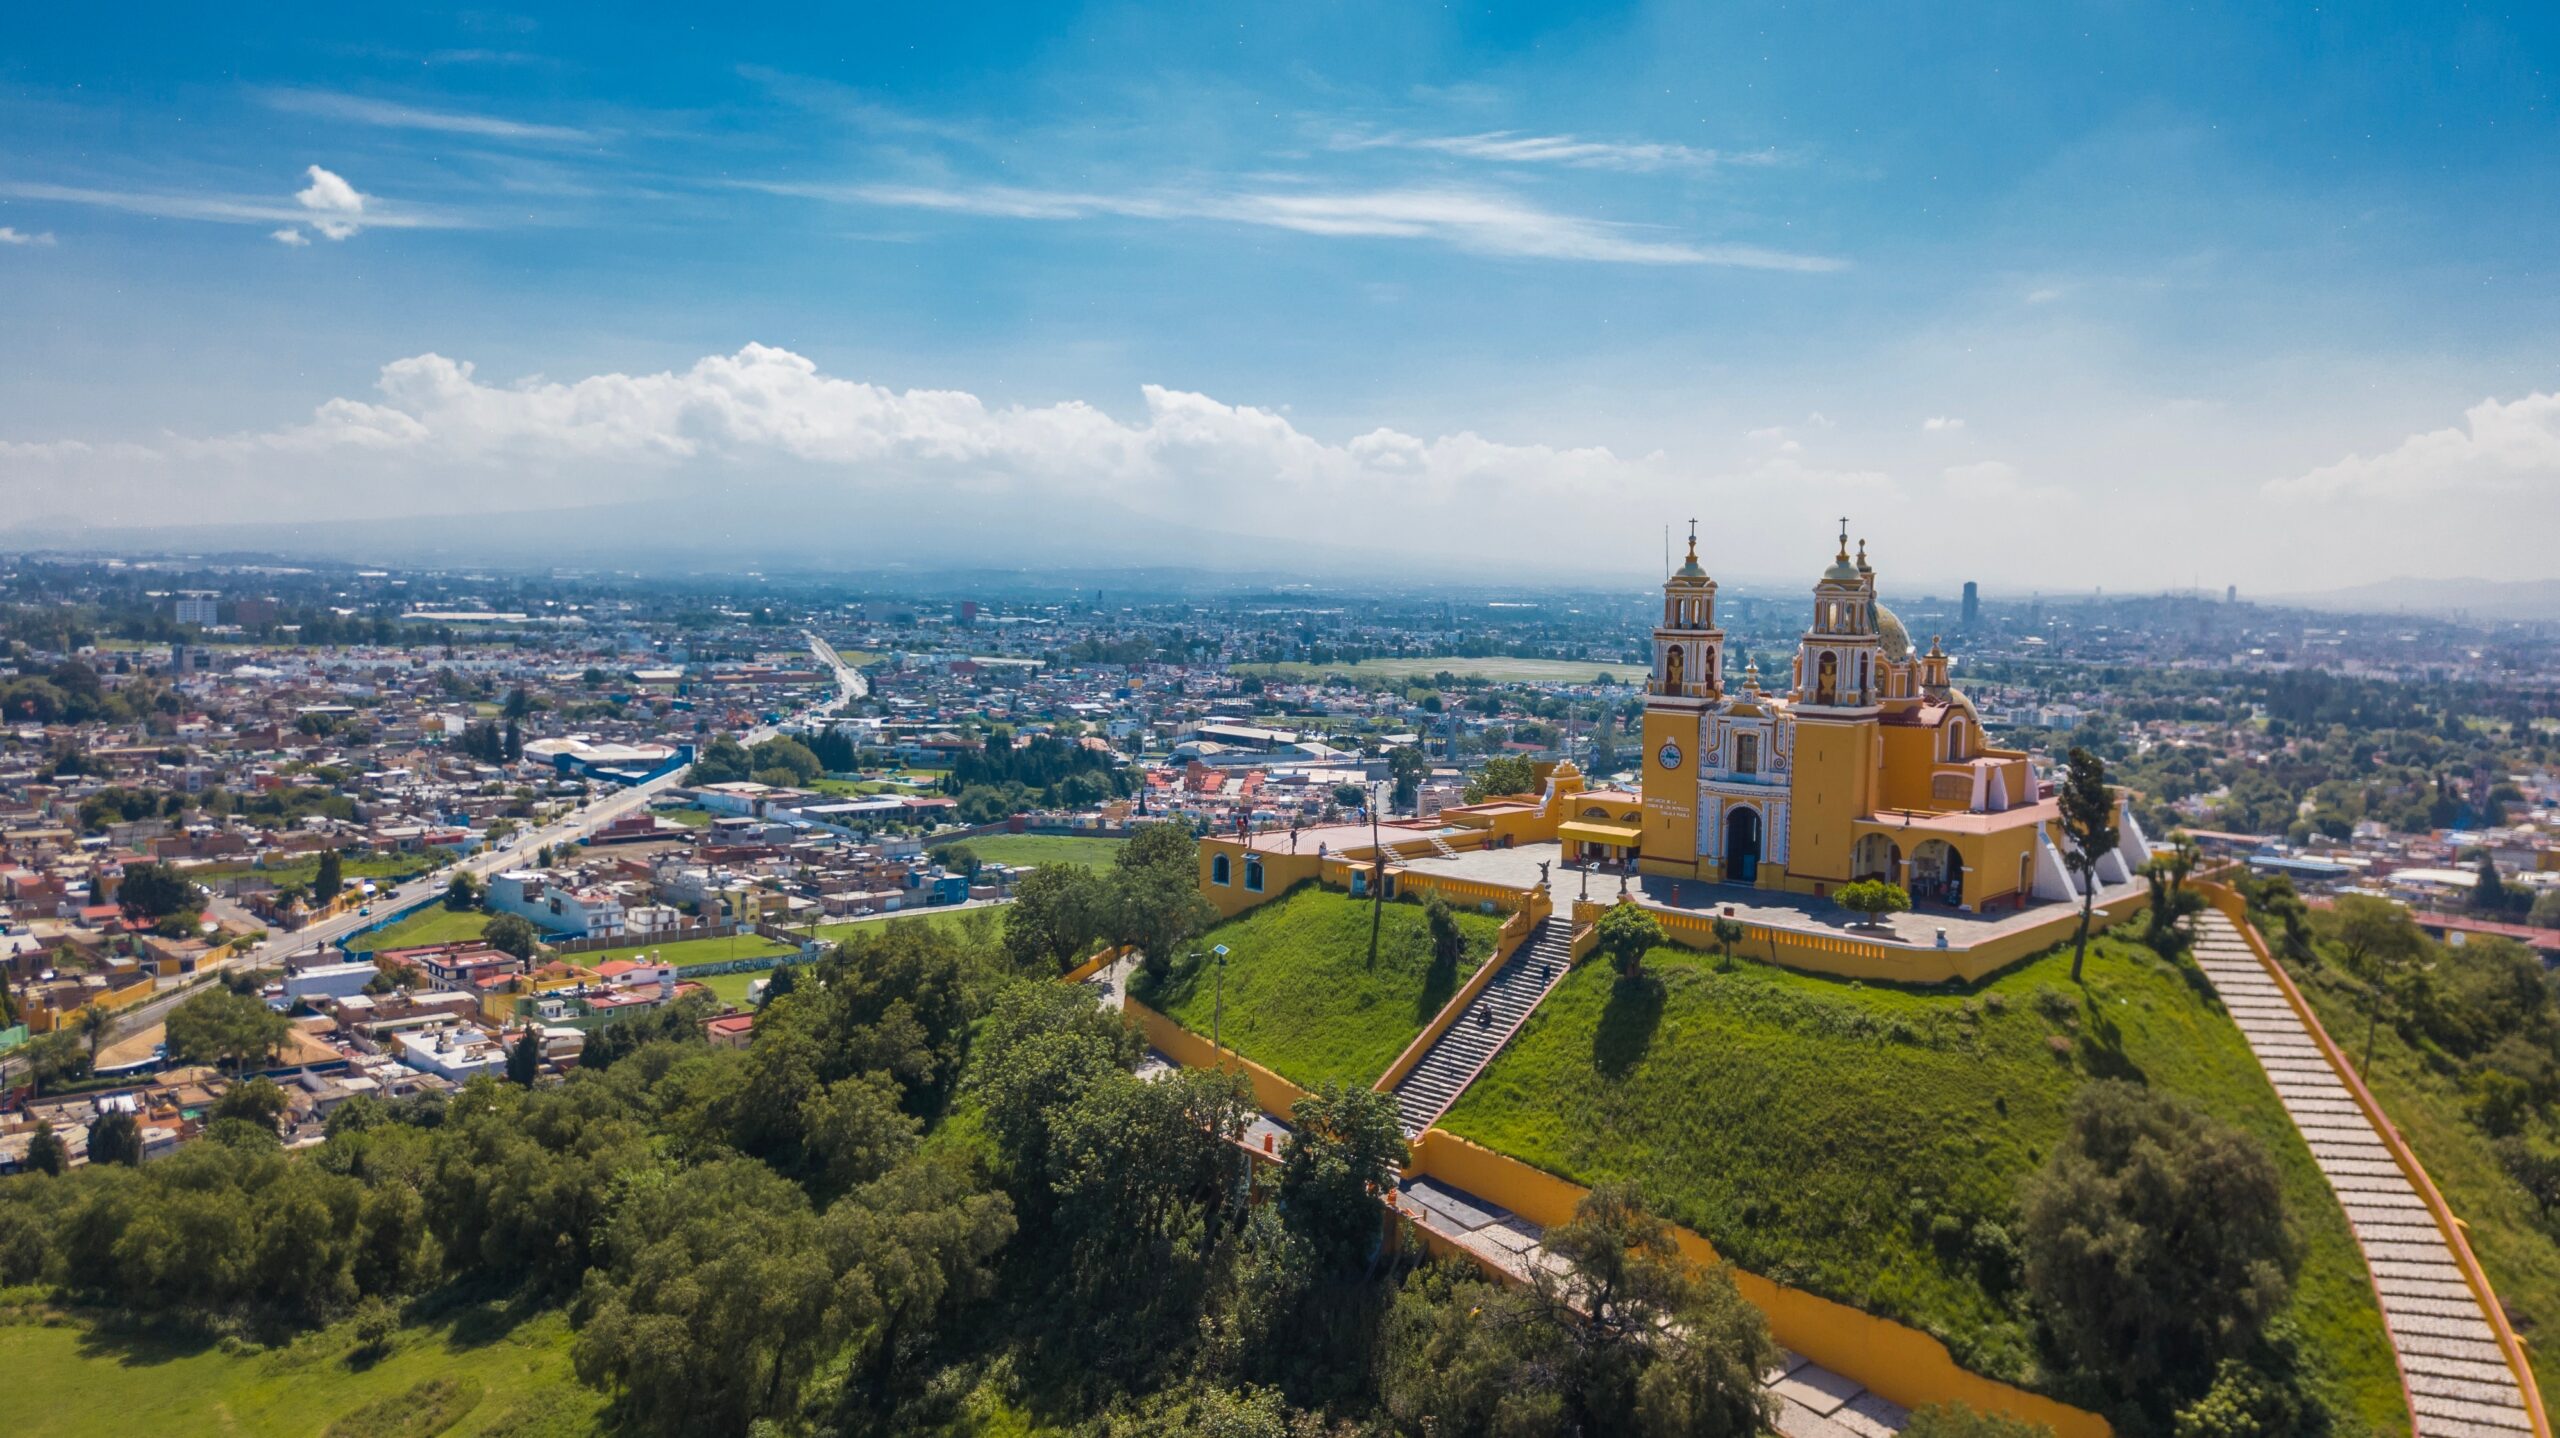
(566, 829)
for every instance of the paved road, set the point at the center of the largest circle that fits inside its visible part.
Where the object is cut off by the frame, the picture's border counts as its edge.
(2458, 1380)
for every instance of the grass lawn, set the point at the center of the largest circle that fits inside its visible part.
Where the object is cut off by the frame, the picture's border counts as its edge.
(731, 989)
(1814, 1129)
(2515, 1245)
(1301, 998)
(1523, 671)
(302, 871)
(434, 924)
(688, 951)
(68, 1380)
(941, 918)
(1092, 853)
(689, 818)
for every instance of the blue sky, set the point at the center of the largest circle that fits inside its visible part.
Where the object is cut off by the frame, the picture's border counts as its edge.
(2266, 293)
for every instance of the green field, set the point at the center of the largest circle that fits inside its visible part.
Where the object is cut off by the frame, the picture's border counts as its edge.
(731, 989)
(435, 924)
(1301, 998)
(2512, 1239)
(302, 871)
(688, 817)
(1522, 671)
(687, 951)
(69, 1380)
(1852, 1140)
(943, 918)
(1046, 849)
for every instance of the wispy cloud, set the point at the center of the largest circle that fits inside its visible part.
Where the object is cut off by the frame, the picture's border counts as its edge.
(1512, 147)
(1940, 424)
(327, 203)
(9, 236)
(391, 115)
(1480, 221)
(290, 237)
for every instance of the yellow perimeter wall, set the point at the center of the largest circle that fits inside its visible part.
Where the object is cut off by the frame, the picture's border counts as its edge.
(1850, 958)
(1904, 1364)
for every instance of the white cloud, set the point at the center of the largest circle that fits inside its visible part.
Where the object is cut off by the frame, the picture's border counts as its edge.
(386, 114)
(334, 204)
(291, 237)
(322, 203)
(1484, 222)
(1993, 481)
(2507, 449)
(1940, 424)
(1514, 148)
(436, 434)
(10, 236)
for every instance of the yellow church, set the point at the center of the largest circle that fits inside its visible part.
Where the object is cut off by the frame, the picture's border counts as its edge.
(1865, 762)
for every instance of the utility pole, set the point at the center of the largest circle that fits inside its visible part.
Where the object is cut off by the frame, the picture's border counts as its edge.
(1378, 874)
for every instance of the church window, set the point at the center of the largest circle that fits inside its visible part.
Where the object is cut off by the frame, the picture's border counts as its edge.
(1672, 677)
(1826, 679)
(1746, 753)
(1253, 875)
(1219, 870)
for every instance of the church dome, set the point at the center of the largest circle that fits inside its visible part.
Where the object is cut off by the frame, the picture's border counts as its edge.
(1897, 640)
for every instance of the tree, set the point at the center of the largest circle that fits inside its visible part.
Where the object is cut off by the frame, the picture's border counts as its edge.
(330, 879)
(2489, 894)
(46, 1152)
(1407, 766)
(258, 1102)
(1448, 941)
(1344, 1149)
(1626, 933)
(723, 761)
(2089, 832)
(54, 1057)
(2546, 910)
(957, 858)
(115, 1137)
(224, 1028)
(2172, 902)
(1501, 775)
(154, 890)
(462, 893)
(510, 934)
(1873, 898)
(96, 1025)
(524, 1058)
(1728, 932)
(1155, 893)
(2156, 1242)
(1056, 914)
(798, 763)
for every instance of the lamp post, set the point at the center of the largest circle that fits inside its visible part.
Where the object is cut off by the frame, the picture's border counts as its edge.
(1378, 871)
(1218, 1000)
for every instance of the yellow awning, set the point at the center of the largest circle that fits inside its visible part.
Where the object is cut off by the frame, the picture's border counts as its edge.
(1623, 835)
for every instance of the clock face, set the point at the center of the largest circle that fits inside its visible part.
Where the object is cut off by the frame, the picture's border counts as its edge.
(1669, 754)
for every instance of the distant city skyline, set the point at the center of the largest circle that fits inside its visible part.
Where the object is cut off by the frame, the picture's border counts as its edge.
(2042, 298)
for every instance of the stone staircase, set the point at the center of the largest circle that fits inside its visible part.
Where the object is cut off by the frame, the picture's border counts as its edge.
(1441, 847)
(2457, 1376)
(1459, 1054)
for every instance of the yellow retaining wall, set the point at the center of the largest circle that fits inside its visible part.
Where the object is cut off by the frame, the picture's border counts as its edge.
(1903, 1364)
(1463, 893)
(1515, 932)
(41, 1020)
(1096, 964)
(2455, 1236)
(1272, 1093)
(1849, 958)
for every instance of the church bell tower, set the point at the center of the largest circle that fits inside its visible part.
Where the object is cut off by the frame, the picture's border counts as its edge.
(1687, 678)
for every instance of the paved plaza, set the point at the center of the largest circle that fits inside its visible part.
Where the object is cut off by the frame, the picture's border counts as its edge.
(1521, 867)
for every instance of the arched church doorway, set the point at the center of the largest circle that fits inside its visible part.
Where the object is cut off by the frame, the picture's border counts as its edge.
(1742, 846)
(1878, 858)
(1937, 873)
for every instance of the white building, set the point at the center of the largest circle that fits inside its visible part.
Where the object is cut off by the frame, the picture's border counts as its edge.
(584, 913)
(454, 1053)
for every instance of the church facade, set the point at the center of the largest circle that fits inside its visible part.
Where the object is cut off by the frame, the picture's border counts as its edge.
(1863, 761)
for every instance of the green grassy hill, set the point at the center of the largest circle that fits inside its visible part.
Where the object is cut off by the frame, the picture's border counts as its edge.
(1301, 998)
(66, 1379)
(1865, 1142)
(1091, 852)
